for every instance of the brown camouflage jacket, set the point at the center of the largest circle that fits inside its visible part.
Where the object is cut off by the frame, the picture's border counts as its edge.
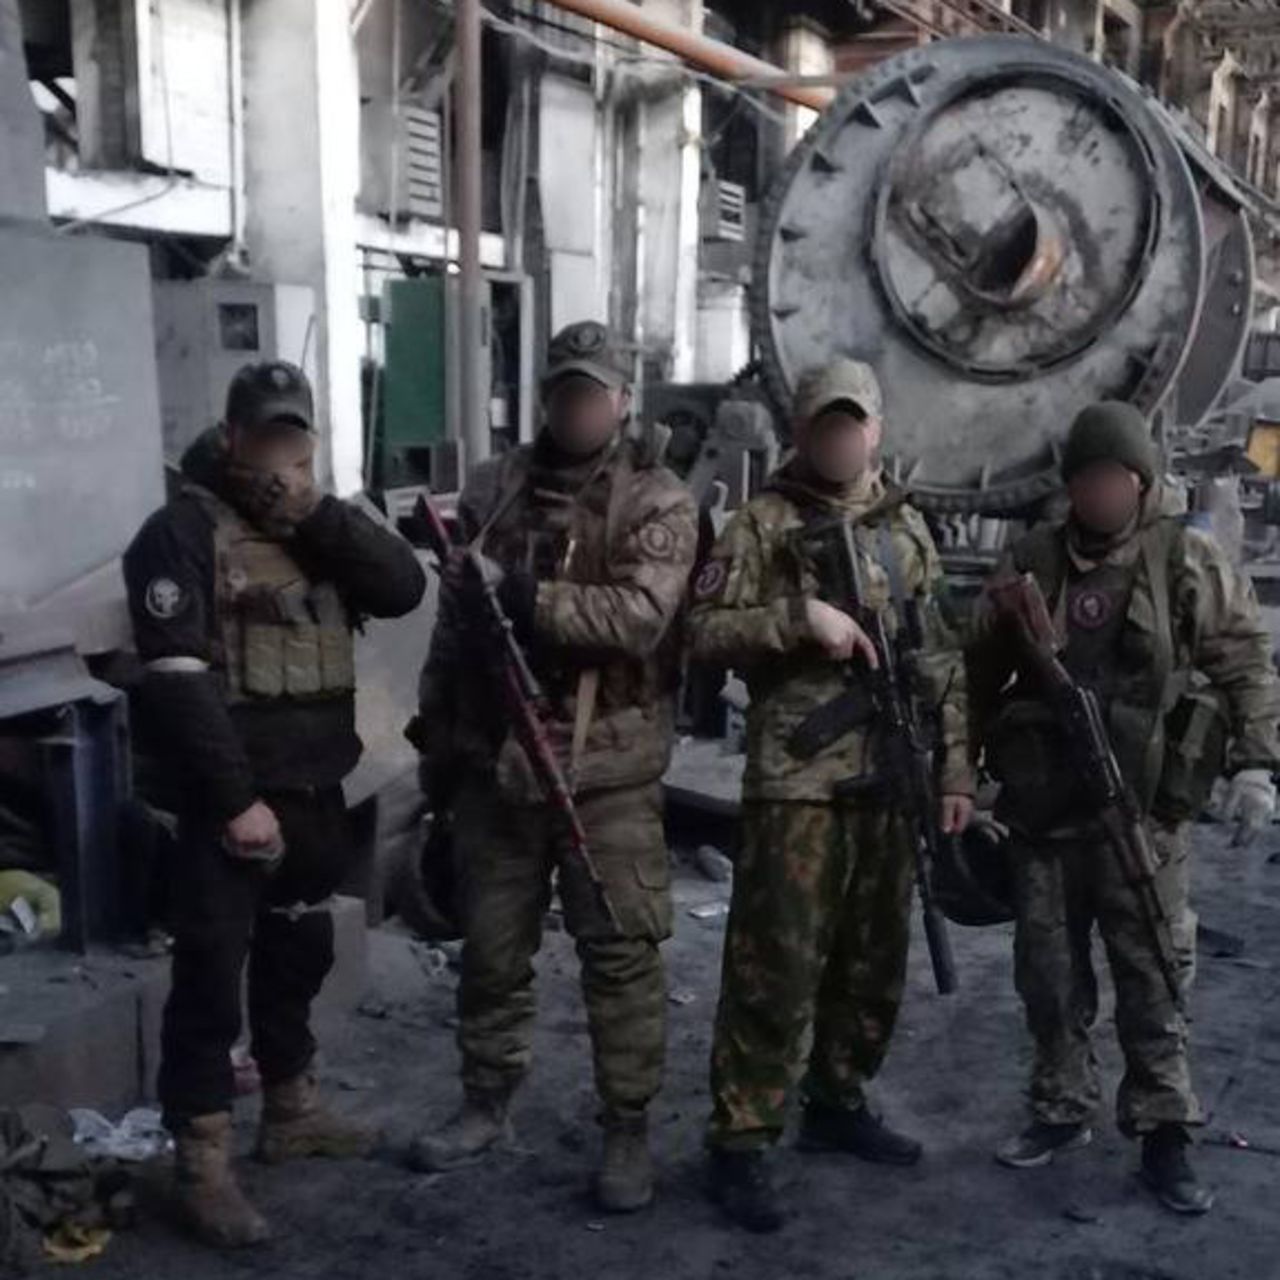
(749, 613)
(611, 545)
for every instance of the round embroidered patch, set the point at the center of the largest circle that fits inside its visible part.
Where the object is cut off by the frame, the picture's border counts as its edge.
(657, 540)
(164, 598)
(1091, 609)
(711, 579)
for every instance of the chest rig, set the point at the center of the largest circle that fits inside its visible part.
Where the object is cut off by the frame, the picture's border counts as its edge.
(280, 634)
(1167, 730)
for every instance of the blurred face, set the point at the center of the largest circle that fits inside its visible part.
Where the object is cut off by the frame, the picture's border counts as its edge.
(1105, 496)
(282, 448)
(840, 443)
(582, 414)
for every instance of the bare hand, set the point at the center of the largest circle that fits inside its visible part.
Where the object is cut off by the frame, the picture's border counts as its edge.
(838, 634)
(954, 814)
(255, 835)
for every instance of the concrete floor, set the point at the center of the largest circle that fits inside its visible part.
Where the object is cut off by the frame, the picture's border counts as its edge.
(955, 1078)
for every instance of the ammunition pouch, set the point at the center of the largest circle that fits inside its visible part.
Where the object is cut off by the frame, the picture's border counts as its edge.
(1029, 754)
(1196, 737)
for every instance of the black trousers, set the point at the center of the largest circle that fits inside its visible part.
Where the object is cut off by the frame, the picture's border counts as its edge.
(228, 912)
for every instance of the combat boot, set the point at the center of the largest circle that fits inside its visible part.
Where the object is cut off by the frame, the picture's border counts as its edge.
(741, 1183)
(208, 1197)
(483, 1122)
(1167, 1171)
(296, 1124)
(1040, 1142)
(857, 1133)
(625, 1181)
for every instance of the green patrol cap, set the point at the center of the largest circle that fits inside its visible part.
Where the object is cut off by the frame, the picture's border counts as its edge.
(1110, 431)
(588, 348)
(843, 381)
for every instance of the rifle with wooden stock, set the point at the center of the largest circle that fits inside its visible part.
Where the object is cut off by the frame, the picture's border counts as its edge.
(525, 700)
(1018, 599)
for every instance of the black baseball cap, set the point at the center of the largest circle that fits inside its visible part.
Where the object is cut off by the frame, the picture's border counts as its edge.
(267, 392)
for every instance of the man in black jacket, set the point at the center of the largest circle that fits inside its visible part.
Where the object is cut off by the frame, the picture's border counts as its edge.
(245, 590)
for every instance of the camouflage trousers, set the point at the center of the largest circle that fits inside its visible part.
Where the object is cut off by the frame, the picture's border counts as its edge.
(509, 854)
(1064, 887)
(814, 964)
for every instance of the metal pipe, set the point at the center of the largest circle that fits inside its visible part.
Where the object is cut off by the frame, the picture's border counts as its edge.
(473, 426)
(701, 51)
(235, 91)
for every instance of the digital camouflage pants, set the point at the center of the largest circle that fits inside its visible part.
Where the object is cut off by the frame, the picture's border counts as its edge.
(814, 960)
(509, 854)
(1064, 887)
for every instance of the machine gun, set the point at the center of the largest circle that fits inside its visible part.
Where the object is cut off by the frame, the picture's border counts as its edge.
(1018, 598)
(526, 703)
(884, 700)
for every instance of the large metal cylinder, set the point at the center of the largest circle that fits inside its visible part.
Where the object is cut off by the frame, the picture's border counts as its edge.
(1007, 232)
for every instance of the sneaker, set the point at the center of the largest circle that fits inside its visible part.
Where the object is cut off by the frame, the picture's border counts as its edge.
(1039, 1142)
(1167, 1171)
(857, 1133)
(741, 1183)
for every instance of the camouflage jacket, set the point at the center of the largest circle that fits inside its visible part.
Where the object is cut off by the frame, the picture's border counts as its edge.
(1214, 634)
(611, 545)
(749, 613)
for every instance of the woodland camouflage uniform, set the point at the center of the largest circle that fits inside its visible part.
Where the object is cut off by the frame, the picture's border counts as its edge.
(819, 924)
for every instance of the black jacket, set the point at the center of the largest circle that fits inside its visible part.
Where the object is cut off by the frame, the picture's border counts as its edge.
(223, 757)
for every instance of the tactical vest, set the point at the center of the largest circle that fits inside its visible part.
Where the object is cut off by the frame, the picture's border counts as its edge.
(1168, 732)
(280, 634)
(611, 720)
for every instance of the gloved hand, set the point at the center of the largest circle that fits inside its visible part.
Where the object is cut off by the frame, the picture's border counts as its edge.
(518, 595)
(275, 503)
(517, 590)
(41, 896)
(1250, 804)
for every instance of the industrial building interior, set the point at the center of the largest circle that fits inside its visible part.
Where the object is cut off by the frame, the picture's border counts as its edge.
(1009, 209)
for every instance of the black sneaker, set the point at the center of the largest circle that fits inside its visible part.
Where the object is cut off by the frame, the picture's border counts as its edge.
(741, 1183)
(1167, 1171)
(857, 1133)
(1039, 1142)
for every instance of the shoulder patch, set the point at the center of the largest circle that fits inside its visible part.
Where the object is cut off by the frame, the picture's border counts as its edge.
(164, 598)
(711, 579)
(657, 540)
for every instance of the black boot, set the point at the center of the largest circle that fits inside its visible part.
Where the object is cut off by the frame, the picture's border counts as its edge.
(859, 1133)
(1167, 1171)
(741, 1183)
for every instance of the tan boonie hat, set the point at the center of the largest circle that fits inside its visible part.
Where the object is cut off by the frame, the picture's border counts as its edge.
(842, 381)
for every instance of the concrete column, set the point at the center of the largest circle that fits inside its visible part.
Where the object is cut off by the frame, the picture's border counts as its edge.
(1074, 24)
(669, 174)
(806, 51)
(21, 141)
(302, 171)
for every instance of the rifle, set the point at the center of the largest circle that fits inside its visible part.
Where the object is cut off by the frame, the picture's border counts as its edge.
(883, 699)
(525, 700)
(1018, 598)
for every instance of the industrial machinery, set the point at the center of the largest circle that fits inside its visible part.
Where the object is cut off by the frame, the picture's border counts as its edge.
(1006, 231)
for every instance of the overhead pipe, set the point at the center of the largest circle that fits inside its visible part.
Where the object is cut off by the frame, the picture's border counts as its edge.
(700, 51)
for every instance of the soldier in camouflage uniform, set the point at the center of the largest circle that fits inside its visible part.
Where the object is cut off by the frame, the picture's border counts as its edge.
(818, 929)
(1168, 635)
(591, 542)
